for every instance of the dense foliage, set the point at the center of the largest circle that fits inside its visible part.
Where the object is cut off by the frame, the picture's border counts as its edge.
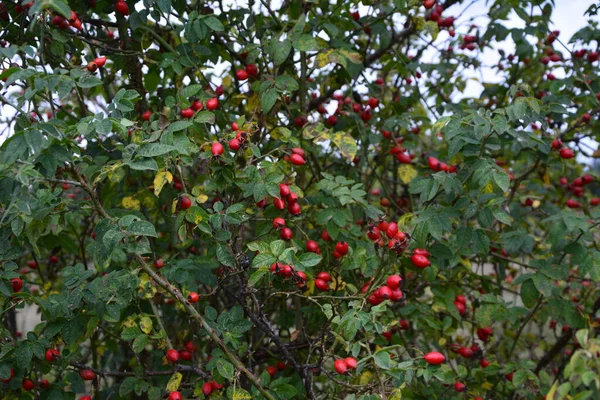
(296, 201)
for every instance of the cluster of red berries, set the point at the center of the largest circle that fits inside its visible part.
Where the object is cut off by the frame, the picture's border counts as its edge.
(484, 333)
(343, 365)
(211, 105)
(240, 137)
(397, 239)
(288, 271)
(563, 152)
(576, 187)
(400, 152)
(322, 281)
(251, 70)
(436, 15)
(390, 291)
(63, 23)
(469, 42)
(297, 157)
(272, 369)
(286, 196)
(436, 165)
(460, 302)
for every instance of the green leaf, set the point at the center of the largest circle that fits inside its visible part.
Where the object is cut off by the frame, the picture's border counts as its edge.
(127, 386)
(164, 5)
(268, 99)
(286, 83)
(179, 126)
(61, 7)
(280, 51)
(225, 369)
(213, 23)
(88, 81)
(277, 247)
(23, 355)
(205, 117)
(529, 293)
(142, 228)
(224, 256)
(310, 259)
(140, 343)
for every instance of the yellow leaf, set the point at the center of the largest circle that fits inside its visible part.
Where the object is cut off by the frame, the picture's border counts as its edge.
(346, 143)
(253, 103)
(240, 394)
(365, 378)
(146, 324)
(130, 203)
(322, 59)
(536, 204)
(552, 392)
(466, 262)
(547, 179)
(174, 206)
(396, 394)
(174, 382)
(160, 180)
(338, 284)
(442, 342)
(489, 188)
(404, 221)
(407, 173)
(486, 385)
(227, 81)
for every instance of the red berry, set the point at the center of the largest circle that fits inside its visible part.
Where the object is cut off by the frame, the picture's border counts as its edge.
(187, 113)
(100, 61)
(16, 284)
(340, 366)
(286, 234)
(272, 370)
(241, 74)
(429, 4)
(216, 149)
(396, 295)
(393, 281)
(234, 144)
(324, 276)
(44, 384)
(297, 159)
(311, 246)
(420, 261)
(147, 115)
(175, 395)
(434, 358)
(54, 259)
(207, 388)
(278, 223)
(566, 153)
(373, 102)
(212, 104)
(460, 387)
(342, 248)
(193, 297)
(52, 355)
(281, 365)
(85, 398)
(509, 376)
(278, 203)
(121, 7)
(392, 230)
(461, 299)
(325, 236)
(300, 121)
(294, 208)
(252, 70)
(460, 307)
(573, 203)
(374, 233)
(159, 263)
(87, 374)
(32, 264)
(466, 352)
(321, 285)
(172, 355)
(185, 202)
(351, 362)
(484, 363)
(185, 355)
(27, 384)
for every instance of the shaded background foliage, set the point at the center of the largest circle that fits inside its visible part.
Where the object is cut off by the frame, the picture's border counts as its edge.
(139, 197)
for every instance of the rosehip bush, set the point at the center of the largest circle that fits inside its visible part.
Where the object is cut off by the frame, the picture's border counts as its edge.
(280, 201)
